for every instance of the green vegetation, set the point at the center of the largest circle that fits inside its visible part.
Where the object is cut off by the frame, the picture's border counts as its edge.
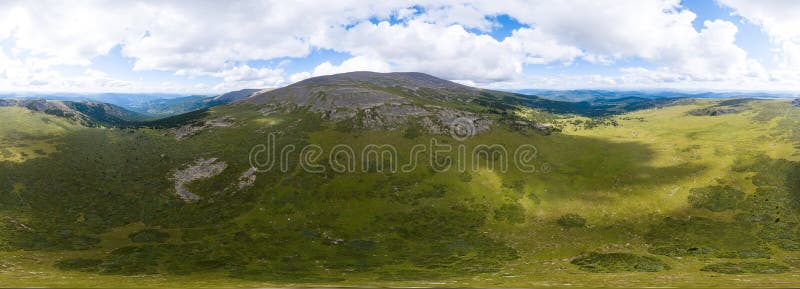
(747, 267)
(619, 262)
(149, 236)
(666, 193)
(715, 198)
(571, 221)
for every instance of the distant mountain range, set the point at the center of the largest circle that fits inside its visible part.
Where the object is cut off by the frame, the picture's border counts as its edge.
(148, 105)
(592, 94)
(87, 113)
(160, 105)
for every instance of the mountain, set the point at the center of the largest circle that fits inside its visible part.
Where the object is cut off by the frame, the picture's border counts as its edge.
(403, 180)
(593, 94)
(164, 107)
(152, 105)
(343, 94)
(233, 96)
(87, 113)
(387, 100)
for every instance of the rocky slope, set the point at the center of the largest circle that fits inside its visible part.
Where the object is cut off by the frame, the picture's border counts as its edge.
(370, 100)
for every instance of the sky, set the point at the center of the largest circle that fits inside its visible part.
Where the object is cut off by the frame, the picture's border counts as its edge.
(211, 47)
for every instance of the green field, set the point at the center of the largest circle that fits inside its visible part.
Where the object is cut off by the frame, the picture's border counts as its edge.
(670, 196)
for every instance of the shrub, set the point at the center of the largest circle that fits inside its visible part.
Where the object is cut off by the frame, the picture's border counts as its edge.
(533, 197)
(715, 198)
(571, 220)
(619, 262)
(79, 264)
(746, 267)
(149, 236)
(513, 213)
(697, 236)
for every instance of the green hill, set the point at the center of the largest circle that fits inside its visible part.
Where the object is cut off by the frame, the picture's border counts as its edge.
(625, 193)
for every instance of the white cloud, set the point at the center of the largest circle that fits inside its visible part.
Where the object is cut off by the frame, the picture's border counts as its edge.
(781, 21)
(446, 51)
(358, 63)
(710, 54)
(245, 73)
(66, 33)
(541, 48)
(658, 31)
(30, 75)
(779, 18)
(300, 76)
(216, 39)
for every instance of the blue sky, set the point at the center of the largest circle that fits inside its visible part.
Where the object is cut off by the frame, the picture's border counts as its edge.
(211, 47)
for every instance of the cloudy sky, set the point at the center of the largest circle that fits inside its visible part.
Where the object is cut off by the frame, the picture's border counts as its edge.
(215, 46)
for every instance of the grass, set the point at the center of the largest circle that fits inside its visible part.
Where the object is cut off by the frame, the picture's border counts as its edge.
(27, 135)
(668, 196)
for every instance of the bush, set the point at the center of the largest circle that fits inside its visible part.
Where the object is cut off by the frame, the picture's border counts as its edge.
(149, 236)
(533, 197)
(571, 221)
(746, 267)
(698, 236)
(413, 130)
(715, 198)
(79, 264)
(513, 213)
(619, 262)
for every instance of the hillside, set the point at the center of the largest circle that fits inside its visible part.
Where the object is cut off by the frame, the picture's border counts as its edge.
(631, 192)
(87, 113)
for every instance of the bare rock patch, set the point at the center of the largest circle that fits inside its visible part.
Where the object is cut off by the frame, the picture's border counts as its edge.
(201, 169)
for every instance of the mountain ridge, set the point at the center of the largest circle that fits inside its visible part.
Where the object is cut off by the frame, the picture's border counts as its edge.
(88, 113)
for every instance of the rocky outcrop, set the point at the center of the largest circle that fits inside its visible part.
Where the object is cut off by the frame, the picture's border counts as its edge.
(201, 169)
(247, 179)
(369, 100)
(713, 111)
(524, 125)
(796, 102)
(195, 128)
(431, 119)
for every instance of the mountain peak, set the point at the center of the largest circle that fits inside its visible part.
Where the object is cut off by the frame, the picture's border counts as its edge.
(391, 78)
(364, 89)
